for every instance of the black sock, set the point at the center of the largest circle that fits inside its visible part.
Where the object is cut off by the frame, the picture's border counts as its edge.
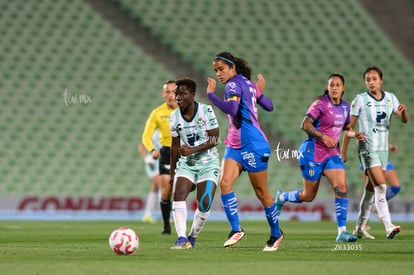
(166, 211)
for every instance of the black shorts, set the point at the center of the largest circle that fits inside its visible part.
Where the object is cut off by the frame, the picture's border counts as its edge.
(164, 163)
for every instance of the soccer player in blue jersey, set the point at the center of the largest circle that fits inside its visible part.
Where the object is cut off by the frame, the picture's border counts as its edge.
(373, 110)
(194, 160)
(325, 119)
(247, 147)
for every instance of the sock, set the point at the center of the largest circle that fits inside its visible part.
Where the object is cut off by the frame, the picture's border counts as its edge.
(382, 205)
(272, 220)
(199, 220)
(341, 210)
(166, 211)
(180, 217)
(365, 206)
(392, 191)
(229, 202)
(150, 203)
(292, 196)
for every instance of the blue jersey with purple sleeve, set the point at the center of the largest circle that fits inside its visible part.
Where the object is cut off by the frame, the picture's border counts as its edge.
(329, 119)
(244, 129)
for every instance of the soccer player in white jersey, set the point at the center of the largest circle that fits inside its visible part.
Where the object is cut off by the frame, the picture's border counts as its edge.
(373, 110)
(194, 160)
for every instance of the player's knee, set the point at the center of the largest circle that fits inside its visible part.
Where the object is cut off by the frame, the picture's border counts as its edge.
(307, 198)
(259, 194)
(206, 198)
(204, 205)
(339, 193)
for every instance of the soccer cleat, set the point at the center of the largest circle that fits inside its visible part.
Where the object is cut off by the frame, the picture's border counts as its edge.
(192, 240)
(181, 243)
(148, 219)
(166, 231)
(279, 202)
(393, 231)
(362, 234)
(273, 243)
(234, 238)
(346, 237)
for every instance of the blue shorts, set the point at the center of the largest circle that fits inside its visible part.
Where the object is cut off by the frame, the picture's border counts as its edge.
(313, 171)
(254, 160)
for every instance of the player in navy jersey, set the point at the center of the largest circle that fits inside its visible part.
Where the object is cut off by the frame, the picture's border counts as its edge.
(247, 148)
(325, 119)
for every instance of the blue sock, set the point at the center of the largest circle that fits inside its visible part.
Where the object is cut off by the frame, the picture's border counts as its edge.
(272, 220)
(292, 196)
(229, 202)
(392, 191)
(341, 210)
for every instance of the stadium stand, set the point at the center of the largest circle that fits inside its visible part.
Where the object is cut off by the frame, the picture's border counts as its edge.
(84, 142)
(61, 145)
(296, 45)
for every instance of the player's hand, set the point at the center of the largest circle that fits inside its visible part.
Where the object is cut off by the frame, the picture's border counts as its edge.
(329, 142)
(148, 159)
(261, 83)
(212, 84)
(402, 108)
(360, 136)
(155, 154)
(185, 150)
(393, 148)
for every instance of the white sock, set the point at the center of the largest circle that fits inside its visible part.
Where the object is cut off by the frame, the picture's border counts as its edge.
(179, 209)
(341, 229)
(365, 207)
(199, 220)
(150, 203)
(382, 205)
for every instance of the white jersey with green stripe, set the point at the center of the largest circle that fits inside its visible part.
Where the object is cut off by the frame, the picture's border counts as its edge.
(374, 117)
(194, 132)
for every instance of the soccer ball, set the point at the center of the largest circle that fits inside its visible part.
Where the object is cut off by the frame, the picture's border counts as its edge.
(124, 241)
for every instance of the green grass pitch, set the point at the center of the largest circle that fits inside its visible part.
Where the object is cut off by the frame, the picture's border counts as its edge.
(308, 248)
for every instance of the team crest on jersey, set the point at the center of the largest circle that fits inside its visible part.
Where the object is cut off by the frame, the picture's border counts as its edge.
(389, 103)
(232, 86)
(200, 122)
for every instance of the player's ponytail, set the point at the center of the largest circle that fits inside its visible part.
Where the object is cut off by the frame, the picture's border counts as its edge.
(242, 67)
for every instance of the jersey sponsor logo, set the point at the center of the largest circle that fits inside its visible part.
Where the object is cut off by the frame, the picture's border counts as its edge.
(380, 116)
